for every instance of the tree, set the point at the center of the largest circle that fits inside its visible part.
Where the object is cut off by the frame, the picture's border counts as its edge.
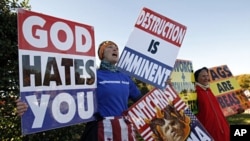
(244, 81)
(10, 125)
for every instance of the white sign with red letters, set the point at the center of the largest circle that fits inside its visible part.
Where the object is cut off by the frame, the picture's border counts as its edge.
(152, 48)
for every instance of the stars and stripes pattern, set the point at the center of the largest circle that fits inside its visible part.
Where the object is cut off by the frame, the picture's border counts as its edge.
(115, 129)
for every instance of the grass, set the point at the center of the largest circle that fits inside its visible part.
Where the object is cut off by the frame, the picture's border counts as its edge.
(239, 119)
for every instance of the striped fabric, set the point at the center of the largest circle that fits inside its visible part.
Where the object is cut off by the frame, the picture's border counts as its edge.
(115, 129)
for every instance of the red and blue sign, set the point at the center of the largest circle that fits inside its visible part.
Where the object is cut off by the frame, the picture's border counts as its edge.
(152, 48)
(57, 71)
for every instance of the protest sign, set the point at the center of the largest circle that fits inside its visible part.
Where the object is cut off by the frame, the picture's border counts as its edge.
(227, 90)
(152, 48)
(162, 115)
(57, 71)
(182, 78)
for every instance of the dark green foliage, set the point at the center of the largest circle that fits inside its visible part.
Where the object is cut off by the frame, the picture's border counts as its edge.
(239, 119)
(71, 133)
(10, 125)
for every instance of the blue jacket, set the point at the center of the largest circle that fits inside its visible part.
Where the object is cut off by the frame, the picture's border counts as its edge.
(114, 89)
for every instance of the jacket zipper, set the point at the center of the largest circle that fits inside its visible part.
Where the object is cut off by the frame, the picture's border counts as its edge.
(215, 113)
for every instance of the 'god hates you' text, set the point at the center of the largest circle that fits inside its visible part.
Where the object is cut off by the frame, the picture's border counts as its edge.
(57, 71)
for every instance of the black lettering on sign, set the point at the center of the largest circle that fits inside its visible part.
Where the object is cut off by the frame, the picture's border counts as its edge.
(55, 71)
(224, 86)
(153, 47)
(183, 66)
(52, 72)
(220, 73)
(31, 69)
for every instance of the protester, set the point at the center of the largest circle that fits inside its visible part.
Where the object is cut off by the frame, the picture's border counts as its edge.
(114, 89)
(209, 111)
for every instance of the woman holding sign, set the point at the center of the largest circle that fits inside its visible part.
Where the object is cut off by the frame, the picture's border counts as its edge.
(210, 113)
(114, 89)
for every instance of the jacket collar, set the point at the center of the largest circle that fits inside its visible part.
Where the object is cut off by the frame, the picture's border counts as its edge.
(204, 87)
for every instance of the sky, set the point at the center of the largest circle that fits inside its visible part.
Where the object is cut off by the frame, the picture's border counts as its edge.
(218, 31)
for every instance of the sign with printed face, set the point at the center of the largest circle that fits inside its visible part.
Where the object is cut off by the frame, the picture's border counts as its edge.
(161, 115)
(152, 48)
(57, 71)
(227, 90)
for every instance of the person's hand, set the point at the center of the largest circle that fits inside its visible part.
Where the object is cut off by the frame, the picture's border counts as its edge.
(240, 110)
(21, 107)
(169, 82)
